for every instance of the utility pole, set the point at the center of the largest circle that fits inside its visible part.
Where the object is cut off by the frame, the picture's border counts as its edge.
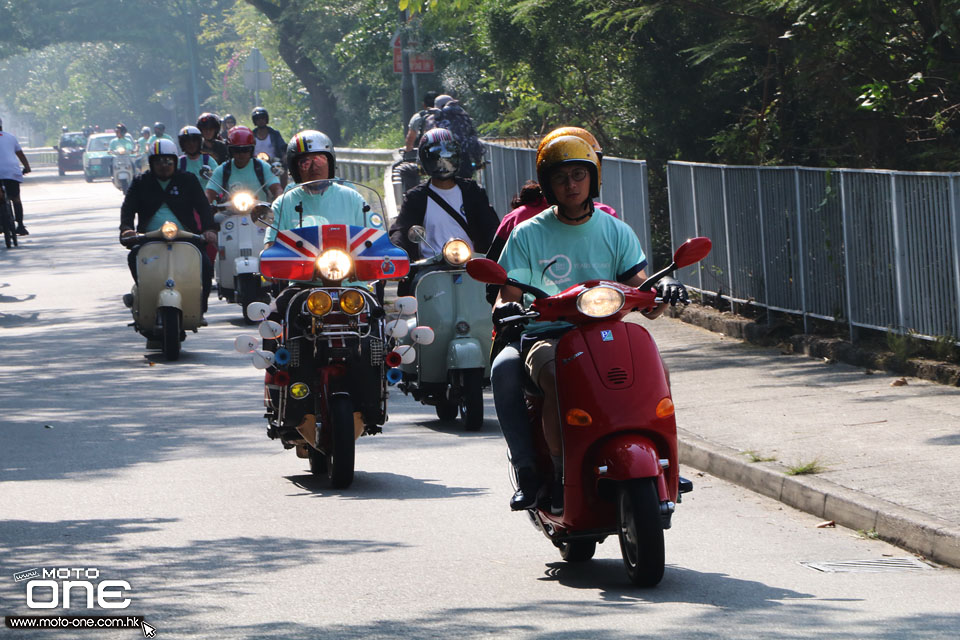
(407, 99)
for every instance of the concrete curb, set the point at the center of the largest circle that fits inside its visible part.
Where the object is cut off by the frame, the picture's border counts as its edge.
(815, 346)
(930, 537)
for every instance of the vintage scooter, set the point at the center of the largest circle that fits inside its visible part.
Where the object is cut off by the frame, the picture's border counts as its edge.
(324, 346)
(124, 169)
(167, 299)
(239, 242)
(620, 473)
(451, 372)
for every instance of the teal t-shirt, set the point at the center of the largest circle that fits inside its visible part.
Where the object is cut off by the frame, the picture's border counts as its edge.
(193, 165)
(336, 204)
(163, 214)
(554, 256)
(244, 180)
(126, 143)
(154, 138)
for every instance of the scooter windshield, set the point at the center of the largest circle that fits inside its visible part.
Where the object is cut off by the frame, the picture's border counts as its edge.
(351, 220)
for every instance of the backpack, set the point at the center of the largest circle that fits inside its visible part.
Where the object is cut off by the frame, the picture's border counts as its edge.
(458, 122)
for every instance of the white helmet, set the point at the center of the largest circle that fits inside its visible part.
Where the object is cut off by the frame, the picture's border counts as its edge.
(309, 141)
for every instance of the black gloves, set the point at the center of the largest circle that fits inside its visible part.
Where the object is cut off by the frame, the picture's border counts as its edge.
(505, 310)
(672, 290)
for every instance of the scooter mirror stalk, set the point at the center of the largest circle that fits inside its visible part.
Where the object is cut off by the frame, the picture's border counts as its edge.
(245, 344)
(422, 335)
(406, 305)
(417, 234)
(270, 330)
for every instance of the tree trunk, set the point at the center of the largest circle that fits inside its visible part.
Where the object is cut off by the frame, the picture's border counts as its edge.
(323, 103)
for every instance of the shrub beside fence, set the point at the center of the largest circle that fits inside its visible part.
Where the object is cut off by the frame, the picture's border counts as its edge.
(875, 249)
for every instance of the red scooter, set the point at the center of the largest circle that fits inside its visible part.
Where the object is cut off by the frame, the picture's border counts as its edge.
(620, 471)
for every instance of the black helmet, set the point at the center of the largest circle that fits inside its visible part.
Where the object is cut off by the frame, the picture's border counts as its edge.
(121, 128)
(439, 153)
(159, 125)
(63, 128)
(189, 133)
(208, 120)
(230, 116)
(258, 112)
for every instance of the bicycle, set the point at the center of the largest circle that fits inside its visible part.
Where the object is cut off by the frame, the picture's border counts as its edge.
(7, 220)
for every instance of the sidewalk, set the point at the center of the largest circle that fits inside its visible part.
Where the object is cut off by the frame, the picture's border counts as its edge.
(890, 455)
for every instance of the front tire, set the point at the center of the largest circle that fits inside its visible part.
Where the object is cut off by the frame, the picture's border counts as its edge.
(578, 550)
(447, 411)
(641, 531)
(471, 402)
(170, 331)
(248, 290)
(87, 177)
(342, 442)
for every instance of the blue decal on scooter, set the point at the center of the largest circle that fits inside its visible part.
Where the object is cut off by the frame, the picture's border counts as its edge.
(387, 267)
(458, 279)
(606, 336)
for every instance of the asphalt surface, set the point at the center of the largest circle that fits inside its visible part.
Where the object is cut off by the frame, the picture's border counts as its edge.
(160, 474)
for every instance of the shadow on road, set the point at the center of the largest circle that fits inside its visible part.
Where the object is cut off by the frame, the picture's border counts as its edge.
(382, 486)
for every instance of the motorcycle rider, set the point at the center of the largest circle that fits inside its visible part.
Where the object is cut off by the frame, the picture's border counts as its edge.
(310, 157)
(243, 171)
(193, 160)
(165, 194)
(446, 206)
(213, 144)
(12, 175)
(268, 139)
(229, 122)
(122, 140)
(158, 134)
(559, 247)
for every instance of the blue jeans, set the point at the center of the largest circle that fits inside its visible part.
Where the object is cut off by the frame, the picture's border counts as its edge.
(506, 378)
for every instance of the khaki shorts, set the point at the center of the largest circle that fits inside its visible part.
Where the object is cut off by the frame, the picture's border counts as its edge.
(542, 353)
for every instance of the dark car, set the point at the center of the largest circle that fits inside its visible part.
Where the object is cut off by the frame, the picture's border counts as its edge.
(70, 151)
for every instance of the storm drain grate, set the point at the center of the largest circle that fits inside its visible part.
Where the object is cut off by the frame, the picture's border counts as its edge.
(869, 566)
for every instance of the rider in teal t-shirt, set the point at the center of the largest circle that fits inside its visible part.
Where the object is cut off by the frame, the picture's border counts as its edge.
(192, 160)
(334, 203)
(244, 179)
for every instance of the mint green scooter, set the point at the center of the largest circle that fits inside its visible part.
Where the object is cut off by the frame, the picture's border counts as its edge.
(451, 372)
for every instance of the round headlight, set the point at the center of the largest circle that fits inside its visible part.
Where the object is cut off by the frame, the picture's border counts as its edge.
(319, 303)
(456, 252)
(352, 302)
(242, 201)
(600, 302)
(334, 264)
(169, 230)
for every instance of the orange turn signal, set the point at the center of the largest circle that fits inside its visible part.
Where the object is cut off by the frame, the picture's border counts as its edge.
(665, 408)
(579, 418)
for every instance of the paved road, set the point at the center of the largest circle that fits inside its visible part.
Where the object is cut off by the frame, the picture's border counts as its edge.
(160, 474)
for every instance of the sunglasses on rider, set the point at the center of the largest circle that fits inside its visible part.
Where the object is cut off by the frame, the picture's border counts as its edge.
(305, 161)
(560, 177)
(163, 160)
(245, 149)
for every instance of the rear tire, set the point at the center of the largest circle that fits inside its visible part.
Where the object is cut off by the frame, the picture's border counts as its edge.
(578, 550)
(447, 411)
(641, 531)
(62, 172)
(170, 331)
(471, 403)
(87, 177)
(342, 442)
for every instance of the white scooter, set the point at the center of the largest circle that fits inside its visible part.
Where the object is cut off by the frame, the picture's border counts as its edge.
(240, 242)
(124, 169)
(167, 299)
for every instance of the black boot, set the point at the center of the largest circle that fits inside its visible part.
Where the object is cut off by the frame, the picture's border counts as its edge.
(526, 494)
(556, 497)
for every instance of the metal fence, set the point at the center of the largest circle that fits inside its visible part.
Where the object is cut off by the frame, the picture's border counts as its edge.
(363, 165)
(41, 156)
(877, 249)
(624, 185)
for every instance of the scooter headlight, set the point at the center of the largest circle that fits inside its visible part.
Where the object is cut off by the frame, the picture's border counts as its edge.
(600, 302)
(169, 230)
(242, 201)
(334, 264)
(352, 302)
(319, 303)
(456, 252)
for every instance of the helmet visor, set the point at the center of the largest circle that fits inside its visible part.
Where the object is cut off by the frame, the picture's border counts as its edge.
(442, 159)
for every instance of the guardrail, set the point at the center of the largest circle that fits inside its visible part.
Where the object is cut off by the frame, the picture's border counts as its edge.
(874, 249)
(41, 156)
(363, 165)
